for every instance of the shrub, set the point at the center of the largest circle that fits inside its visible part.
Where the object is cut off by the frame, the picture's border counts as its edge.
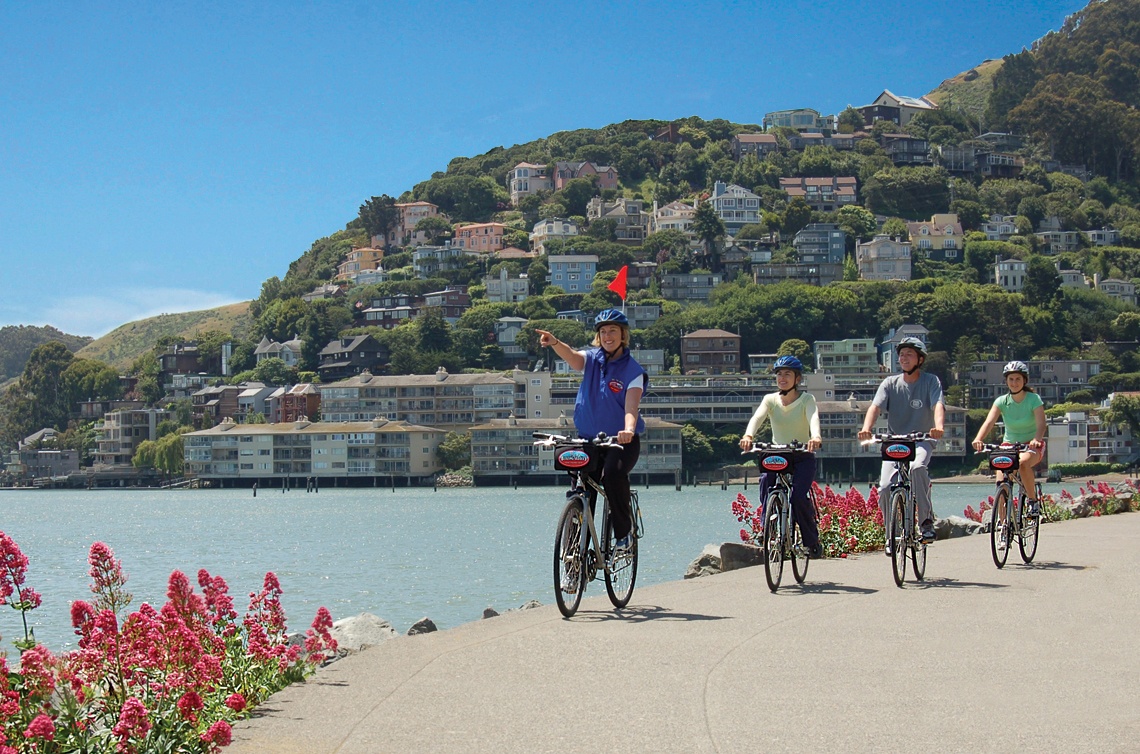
(847, 523)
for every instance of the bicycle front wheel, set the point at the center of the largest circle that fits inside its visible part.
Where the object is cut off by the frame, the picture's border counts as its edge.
(773, 541)
(799, 554)
(918, 559)
(898, 536)
(999, 527)
(620, 568)
(570, 557)
(1030, 529)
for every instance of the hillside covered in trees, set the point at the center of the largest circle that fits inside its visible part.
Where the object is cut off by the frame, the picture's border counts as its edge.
(1070, 97)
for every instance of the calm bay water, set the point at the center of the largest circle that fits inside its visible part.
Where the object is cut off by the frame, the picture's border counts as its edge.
(401, 555)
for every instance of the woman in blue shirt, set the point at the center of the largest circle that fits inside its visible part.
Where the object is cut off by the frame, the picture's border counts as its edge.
(608, 401)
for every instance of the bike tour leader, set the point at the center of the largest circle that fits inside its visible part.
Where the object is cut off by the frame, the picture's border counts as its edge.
(1023, 414)
(609, 401)
(913, 403)
(794, 416)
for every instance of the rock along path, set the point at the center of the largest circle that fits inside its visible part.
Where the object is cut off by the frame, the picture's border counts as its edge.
(1039, 658)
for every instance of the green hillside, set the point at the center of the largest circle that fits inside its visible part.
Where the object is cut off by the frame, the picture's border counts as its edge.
(969, 91)
(124, 344)
(18, 341)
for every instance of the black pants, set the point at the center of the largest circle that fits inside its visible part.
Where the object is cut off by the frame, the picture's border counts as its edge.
(615, 481)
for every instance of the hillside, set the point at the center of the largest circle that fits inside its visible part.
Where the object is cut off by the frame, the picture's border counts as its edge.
(18, 341)
(969, 90)
(124, 344)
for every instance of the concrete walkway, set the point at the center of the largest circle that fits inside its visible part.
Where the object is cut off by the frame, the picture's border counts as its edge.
(1038, 658)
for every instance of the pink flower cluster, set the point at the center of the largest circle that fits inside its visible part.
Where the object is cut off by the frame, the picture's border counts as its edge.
(166, 679)
(848, 522)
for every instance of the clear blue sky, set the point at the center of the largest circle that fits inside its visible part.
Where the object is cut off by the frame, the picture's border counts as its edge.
(166, 157)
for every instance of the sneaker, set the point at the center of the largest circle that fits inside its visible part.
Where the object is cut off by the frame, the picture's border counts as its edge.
(1032, 507)
(927, 531)
(622, 544)
(888, 550)
(815, 553)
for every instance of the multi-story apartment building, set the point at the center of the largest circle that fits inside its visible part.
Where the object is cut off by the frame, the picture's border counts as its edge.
(759, 145)
(573, 273)
(430, 261)
(631, 222)
(1053, 379)
(735, 205)
(822, 194)
(883, 258)
(359, 260)
(853, 356)
(803, 119)
(1010, 274)
(452, 301)
(551, 229)
(438, 400)
(528, 178)
(710, 351)
(504, 450)
(904, 149)
(1000, 227)
(770, 273)
(688, 287)
(505, 289)
(344, 357)
(820, 243)
(348, 453)
(288, 404)
(1103, 237)
(939, 238)
(1080, 436)
(122, 432)
(479, 237)
(888, 358)
(213, 403)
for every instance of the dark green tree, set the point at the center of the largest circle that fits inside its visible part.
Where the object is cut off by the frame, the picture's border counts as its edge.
(379, 215)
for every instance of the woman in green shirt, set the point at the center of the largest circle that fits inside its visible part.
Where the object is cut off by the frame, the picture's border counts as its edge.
(1023, 414)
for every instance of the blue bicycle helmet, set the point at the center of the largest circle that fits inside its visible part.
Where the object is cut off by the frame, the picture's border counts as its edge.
(610, 317)
(788, 362)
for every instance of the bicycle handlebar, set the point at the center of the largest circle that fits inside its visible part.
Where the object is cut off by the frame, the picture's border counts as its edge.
(757, 447)
(916, 436)
(601, 441)
(1011, 447)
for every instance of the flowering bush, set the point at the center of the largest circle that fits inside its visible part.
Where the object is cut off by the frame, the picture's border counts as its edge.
(158, 680)
(847, 523)
(1101, 499)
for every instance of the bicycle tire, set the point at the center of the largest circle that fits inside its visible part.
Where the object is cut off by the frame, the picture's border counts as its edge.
(620, 571)
(1030, 531)
(918, 559)
(799, 554)
(999, 527)
(898, 536)
(570, 557)
(773, 541)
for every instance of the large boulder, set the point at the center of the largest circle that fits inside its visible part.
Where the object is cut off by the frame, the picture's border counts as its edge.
(422, 626)
(360, 631)
(706, 564)
(734, 555)
(956, 526)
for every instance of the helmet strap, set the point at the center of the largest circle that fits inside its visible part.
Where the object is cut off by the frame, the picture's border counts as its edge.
(909, 372)
(1017, 392)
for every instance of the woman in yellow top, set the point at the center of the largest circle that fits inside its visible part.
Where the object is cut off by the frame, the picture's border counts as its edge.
(794, 416)
(1023, 413)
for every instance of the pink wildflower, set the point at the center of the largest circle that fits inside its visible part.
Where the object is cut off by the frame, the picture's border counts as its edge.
(745, 536)
(189, 706)
(36, 667)
(236, 702)
(13, 567)
(42, 727)
(133, 722)
(219, 734)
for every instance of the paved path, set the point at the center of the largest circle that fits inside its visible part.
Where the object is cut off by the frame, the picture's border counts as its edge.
(1039, 658)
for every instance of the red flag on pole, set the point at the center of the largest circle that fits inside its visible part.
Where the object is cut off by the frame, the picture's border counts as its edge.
(618, 285)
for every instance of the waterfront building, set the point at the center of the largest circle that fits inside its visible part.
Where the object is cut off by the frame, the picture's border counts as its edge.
(121, 432)
(1084, 436)
(503, 450)
(451, 401)
(362, 452)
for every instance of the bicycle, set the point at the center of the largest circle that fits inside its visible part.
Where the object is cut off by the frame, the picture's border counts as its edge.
(902, 529)
(781, 538)
(578, 551)
(1021, 525)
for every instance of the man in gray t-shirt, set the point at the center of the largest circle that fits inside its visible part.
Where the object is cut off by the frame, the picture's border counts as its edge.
(913, 403)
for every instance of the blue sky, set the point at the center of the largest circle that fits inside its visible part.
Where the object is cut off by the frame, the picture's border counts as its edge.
(167, 157)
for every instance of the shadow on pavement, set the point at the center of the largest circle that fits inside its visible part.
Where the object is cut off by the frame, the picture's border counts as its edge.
(830, 587)
(1050, 565)
(642, 613)
(944, 583)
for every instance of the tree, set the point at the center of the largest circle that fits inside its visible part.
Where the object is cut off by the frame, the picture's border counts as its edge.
(857, 221)
(433, 331)
(1124, 411)
(577, 193)
(708, 227)
(435, 227)
(796, 216)
(798, 348)
(695, 446)
(379, 215)
(455, 450)
(1042, 282)
(43, 382)
(850, 121)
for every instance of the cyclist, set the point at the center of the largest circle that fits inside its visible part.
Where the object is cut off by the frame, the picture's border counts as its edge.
(1023, 414)
(794, 416)
(913, 403)
(608, 401)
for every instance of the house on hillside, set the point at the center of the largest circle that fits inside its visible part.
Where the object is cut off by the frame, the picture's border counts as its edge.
(897, 109)
(605, 175)
(826, 194)
(344, 357)
(940, 238)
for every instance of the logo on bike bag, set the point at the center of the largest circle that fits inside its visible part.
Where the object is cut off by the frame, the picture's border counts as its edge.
(774, 463)
(897, 451)
(573, 459)
(1001, 462)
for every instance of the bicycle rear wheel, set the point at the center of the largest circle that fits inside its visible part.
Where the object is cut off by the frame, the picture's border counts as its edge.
(898, 536)
(999, 527)
(620, 569)
(799, 554)
(570, 557)
(1030, 529)
(773, 541)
